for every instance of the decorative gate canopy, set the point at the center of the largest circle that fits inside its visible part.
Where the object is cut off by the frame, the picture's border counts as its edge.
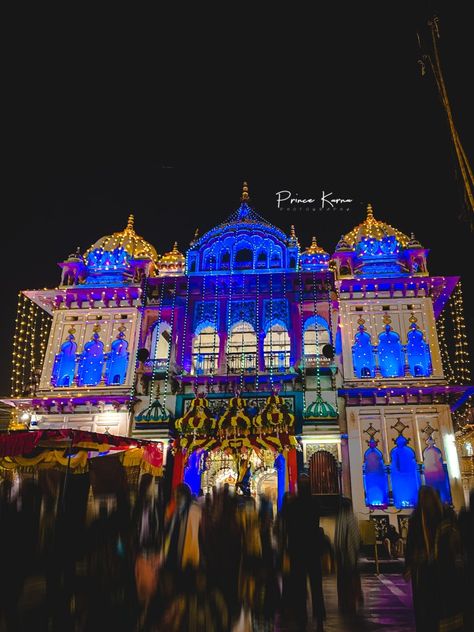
(237, 429)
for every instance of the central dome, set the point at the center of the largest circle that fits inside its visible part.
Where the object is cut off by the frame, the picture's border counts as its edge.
(245, 242)
(126, 240)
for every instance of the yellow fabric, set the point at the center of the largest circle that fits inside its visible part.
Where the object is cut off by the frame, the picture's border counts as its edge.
(191, 539)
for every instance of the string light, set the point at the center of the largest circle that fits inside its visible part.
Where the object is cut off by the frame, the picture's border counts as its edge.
(154, 351)
(173, 302)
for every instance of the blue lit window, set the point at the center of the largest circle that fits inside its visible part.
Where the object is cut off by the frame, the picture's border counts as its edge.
(91, 362)
(404, 474)
(363, 355)
(390, 353)
(117, 361)
(435, 472)
(375, 478)
(65, 364)
(418, 353)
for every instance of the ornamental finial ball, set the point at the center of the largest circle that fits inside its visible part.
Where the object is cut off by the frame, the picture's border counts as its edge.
(130, 222)
(245, 193)
(370, 211)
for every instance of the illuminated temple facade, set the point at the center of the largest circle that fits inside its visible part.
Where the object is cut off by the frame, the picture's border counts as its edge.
(345, 344)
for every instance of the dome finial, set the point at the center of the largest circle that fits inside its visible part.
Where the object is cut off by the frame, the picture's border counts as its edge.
(370, 211)
(245, 193)
(292, 231)
(130, 222)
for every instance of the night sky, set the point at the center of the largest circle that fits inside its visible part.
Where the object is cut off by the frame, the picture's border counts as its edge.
(335, 103)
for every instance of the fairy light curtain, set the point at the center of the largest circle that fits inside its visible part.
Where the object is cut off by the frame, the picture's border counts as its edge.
(32, 326)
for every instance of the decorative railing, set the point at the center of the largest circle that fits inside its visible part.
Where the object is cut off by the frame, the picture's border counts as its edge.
(205, 363)
(237, 362)
(278, 361)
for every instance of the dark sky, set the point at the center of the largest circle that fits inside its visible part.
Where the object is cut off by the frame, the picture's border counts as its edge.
(155, 123)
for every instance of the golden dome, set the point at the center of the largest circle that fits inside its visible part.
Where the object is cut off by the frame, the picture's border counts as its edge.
(173, 259)
(373, 229)
(314, 249)
(127, 239)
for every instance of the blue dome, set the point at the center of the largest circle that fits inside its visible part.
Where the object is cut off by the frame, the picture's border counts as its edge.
(245, 242)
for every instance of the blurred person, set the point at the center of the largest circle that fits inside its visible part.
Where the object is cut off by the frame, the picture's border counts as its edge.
(181, 543)
(304, 549)
(347, 545)
(432, 561)
(466, 528)
(393, 543)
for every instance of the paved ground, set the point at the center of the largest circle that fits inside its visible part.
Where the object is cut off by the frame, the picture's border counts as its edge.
(387, 606)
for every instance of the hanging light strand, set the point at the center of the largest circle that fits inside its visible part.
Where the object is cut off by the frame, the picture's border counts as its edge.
(168, 360)
(154, 350)
(303, 359)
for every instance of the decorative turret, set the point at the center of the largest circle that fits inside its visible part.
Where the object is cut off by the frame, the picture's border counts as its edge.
(314, 257)
(122, 257)
(172, 263)
(376, 249)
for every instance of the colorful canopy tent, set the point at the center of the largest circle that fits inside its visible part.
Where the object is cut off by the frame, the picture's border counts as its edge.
(73, 449)
(238, 432)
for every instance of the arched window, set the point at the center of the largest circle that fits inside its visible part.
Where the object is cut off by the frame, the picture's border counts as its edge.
(244, 258)
(363, 355)
(276, 348)
(390, 353)
(225, 260)
(205, 350)
(242, 348)
(261, 259)
(275, 259)
(375, 478)
(160, 341)
(117, 361)
(315, 336)
(65, 363)
(435, 471)
(404, 474)
(91, 362)
(418, 353)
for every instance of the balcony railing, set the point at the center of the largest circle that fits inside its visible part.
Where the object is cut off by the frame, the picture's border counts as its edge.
(205, 363)
(237, 362)
(277, 361)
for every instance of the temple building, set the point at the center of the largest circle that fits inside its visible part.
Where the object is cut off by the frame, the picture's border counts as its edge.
(254, 358)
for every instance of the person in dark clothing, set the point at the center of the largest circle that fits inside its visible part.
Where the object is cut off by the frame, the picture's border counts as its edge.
(466, 528)
(347, 545)
(431, 560)
(304, 549)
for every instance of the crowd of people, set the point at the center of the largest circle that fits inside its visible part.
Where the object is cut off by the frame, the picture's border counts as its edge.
(214, 561)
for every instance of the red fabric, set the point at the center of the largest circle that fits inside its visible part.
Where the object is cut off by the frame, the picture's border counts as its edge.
(24, 442)
(18, 443)
(292, 471)
(153, 454)
(178, 469)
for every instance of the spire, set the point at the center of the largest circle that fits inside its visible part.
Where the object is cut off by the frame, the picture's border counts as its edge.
(175, 250)
(370, 212)
(195, 238)
(292, 232)
(314, 243)
(245, 193)
(130, 222)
